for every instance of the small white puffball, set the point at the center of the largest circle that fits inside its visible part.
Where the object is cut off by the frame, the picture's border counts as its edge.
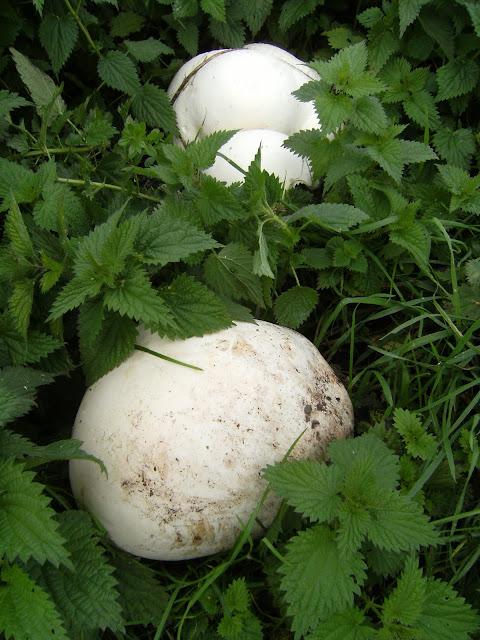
(242, 148)
(184, 449)
(248, 88)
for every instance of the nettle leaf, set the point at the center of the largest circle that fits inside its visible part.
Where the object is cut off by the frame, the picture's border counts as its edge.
(414, 237)
(261, 263)
(216, 202)
(345, 453)
(441, 30)
(215, 8)
(17, 233)
(20, 304)
(333, 109)
(321, 151)
(147, 50)
(445, 614)
(85, 595)
(125, 23)
(45, 94)
(318, 579)
(408, 11)
(135, 297)
(112, 344)
(17, 184)
(293, 11)
(309, 486)
(25, 349)
(348, 624)
(58, 35)
(406, 602)
(195, 309)
(292, 307)
(164, 237)
(203, 152)
(237, 596)
(230, 33)
(457, 77)
(255, 13)
(119, 72)
(141, 595)
(474, 12)
(73, 294)
(420, 107)
(472, 272)
(401, 524)
(230, 273)
(27, 527)
(418, 442)
(60, 208)
(18, 386)
(188, 35)
(10, 100)
(333, 216)
(151, 104)
(26, 611)
(455, 147)
(369, 115)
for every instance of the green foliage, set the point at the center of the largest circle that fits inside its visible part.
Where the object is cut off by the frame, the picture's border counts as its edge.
(108, 223)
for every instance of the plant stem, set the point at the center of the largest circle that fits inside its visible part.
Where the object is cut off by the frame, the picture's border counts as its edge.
(82, 27)
(105, 185)
(56, 151)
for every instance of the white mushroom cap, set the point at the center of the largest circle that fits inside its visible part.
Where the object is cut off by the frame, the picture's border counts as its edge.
(248, 88)
(184, 449)
(242, 148)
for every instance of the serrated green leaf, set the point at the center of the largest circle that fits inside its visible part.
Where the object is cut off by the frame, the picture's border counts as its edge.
(293, 11)
(215, 8)
(349, 624)
(389, 155)
(370, 17)
(164, 237)
(18, 386)
(337, 217)
(309, 486)
(317, 258)
(50, 278)
(230, 33)
(418, 442)
(368, 114)
(151, 104)
(230, 627)
(406, 601)
(27, 527)
(237, 596)
(17, 233)
(203, 152)
(345, 453)
(333, 110)
(457, 77)
(147, 50)
(58, 35)
(318, 580)
(416, 152)
(441, 29)
(110, 347)
(255, 12)
(455, 147)
(382, 43)
(26, 349)
(413, 237)
(420, 107)
(188, 34)
(474, 11)
(195, 309)
(20, 304)
(60, 450)
(60, 209)
(84, 595)
(320, 150)
(135, 297)
(26, 611)
(185, 8)
(118, 72)
(261, 264)
(292, 307)
(141, 595)
(216, 202)
(472, 272)
(354, 522)
(125, 23)
(10, 100)
(41, 87)
(17, 183)
(230, 273)
(73, 294)
(408, 11)
(401, 524)
(445, 614)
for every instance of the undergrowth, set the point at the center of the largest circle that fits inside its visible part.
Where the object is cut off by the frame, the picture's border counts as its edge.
(107, 224)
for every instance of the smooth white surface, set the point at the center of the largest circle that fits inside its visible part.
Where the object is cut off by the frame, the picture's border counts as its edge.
(248, 88)
(242, 148)
(184, 449)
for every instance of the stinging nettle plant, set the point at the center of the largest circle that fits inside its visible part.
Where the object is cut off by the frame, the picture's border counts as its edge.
(106, 223)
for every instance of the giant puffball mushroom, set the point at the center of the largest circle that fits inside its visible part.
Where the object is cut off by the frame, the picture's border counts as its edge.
(275, 158)
(184, 449)
(249, 88)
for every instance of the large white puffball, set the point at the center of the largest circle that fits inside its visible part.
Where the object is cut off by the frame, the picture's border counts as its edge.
(242, 148)
(184, 449)
(249, 88)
